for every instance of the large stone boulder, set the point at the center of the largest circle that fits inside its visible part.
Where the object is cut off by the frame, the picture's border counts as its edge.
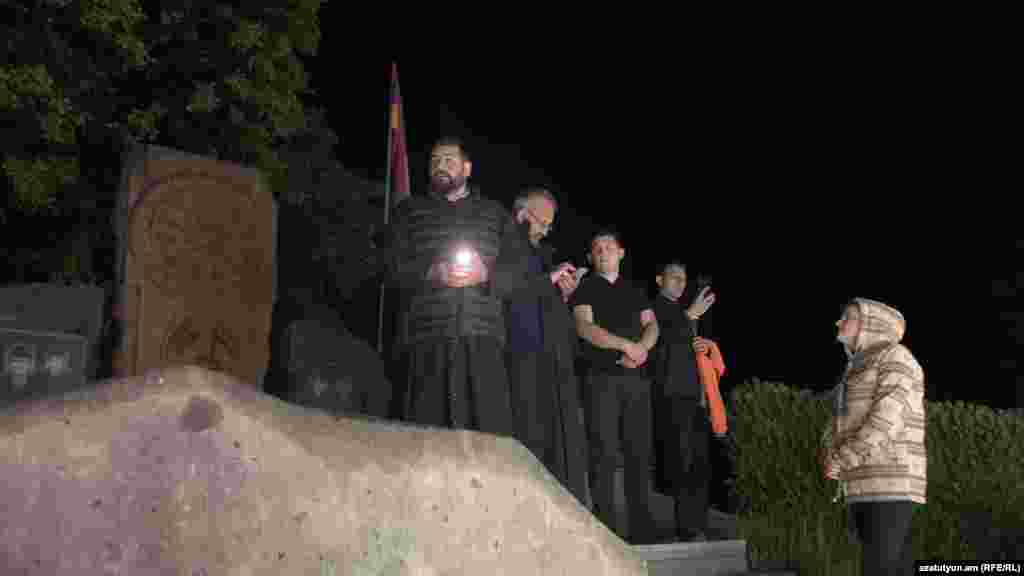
(191, 472)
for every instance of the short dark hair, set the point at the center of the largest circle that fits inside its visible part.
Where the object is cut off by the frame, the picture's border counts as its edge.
(452, 141)
(607, 232)
(670, 263)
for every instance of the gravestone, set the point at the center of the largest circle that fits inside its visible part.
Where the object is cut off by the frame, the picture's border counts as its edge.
(37, 363)
(49, 338)
(331, 369)
(197, 275)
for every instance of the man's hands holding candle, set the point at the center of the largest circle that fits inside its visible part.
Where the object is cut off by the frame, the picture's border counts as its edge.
(463, 268)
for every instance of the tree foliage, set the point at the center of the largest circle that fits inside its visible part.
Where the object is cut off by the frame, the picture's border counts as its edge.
(331, 213)
(217, 78)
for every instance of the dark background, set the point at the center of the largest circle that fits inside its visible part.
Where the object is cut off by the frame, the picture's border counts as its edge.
(797, 173)
(798, 183)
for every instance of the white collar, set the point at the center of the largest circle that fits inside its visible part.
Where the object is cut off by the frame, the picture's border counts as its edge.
(460, 195)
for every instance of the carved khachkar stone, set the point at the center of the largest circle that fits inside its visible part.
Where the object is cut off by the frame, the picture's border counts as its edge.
(198, 274)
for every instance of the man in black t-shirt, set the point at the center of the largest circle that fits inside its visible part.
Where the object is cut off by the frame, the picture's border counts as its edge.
(618, 328)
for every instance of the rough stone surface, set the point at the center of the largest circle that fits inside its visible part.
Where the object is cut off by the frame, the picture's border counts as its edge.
(187, 471)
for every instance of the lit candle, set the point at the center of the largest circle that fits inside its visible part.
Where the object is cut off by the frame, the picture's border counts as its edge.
(464, 257)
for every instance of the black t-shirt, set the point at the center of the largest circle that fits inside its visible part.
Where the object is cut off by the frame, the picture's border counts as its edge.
(673, 362)
(617, 309)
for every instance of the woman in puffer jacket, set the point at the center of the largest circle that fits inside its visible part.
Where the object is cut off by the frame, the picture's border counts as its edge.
(875, 443)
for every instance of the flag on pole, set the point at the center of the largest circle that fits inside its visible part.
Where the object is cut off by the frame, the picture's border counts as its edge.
(396, 180)
(397, 185)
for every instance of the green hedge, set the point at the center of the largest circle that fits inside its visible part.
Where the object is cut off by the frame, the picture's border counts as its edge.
(975, 508)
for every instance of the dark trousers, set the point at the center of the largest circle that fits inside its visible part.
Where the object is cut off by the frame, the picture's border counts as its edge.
(545, 404)
(884, 531)
(618, 417)
(683, 436)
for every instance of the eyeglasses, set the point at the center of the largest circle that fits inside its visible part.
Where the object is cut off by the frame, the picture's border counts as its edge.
(546, 226)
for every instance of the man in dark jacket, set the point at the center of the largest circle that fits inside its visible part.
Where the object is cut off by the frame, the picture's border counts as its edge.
(682, 430)
(456, 256)
(540, 351)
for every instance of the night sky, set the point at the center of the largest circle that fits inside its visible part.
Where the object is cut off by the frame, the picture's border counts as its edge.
(796, 183)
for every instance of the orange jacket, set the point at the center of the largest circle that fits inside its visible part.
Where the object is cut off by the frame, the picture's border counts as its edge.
(711, 367)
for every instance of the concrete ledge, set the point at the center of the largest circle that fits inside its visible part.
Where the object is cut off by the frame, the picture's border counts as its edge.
(711, 558)
(716, 549)
(188, 471)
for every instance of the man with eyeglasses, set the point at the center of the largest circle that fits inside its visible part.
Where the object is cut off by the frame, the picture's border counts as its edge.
(541, 349)
(456, 256)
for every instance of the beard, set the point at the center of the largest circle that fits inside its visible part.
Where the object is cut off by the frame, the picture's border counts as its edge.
(443, 183)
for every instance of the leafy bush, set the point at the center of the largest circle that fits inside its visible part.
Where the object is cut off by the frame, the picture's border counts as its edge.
(975, 508)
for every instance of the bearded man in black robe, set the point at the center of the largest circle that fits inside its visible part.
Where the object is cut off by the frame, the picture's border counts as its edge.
(456, 256)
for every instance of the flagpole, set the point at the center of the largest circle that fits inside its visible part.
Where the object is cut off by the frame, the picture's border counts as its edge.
(387, 204)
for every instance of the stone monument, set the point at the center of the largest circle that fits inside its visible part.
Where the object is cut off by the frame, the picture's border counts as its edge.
(197, 275)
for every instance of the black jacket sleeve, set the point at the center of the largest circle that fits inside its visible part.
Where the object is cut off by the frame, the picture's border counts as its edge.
(509, 275)
(406, 270)
(536, 285)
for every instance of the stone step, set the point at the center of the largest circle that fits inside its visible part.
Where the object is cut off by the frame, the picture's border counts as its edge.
(715, 558)
(720, 526)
